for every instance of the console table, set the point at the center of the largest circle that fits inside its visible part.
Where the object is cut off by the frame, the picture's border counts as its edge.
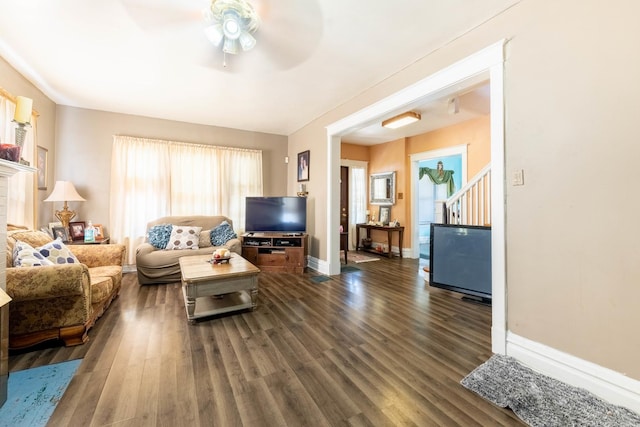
(388, 229)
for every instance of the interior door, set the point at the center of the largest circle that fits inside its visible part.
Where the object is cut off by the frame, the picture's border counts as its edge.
(344, 198)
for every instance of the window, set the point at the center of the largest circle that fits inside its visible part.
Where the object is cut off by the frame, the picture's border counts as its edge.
(153, 178)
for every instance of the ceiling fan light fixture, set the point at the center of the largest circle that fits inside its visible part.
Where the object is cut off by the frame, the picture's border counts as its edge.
(232, 26)
(230, 46)
(247, 41)
(401, 120)
(214, 34)
(231, 23)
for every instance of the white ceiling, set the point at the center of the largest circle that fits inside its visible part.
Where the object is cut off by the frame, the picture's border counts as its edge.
(151, 58)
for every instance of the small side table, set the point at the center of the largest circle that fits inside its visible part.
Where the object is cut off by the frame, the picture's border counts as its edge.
(104, 241)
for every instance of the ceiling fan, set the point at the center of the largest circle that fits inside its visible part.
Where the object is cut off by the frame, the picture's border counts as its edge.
(279, 34)
(231, 23)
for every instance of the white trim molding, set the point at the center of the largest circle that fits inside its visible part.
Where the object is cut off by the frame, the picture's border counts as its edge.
(317, 264)
(609, 385)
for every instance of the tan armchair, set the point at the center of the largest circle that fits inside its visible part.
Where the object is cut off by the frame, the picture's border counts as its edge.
(60, 301)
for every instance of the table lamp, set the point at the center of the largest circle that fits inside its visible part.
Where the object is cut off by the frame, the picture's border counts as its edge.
(64, 191)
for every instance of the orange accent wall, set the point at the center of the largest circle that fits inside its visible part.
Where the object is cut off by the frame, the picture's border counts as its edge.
(475, 133)
(354, 152)
(394, 156)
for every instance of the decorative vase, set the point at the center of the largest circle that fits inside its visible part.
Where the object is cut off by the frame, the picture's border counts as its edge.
(10, 152)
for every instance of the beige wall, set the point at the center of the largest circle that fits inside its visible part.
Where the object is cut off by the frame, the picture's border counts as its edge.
(571, 93)
(85, 137)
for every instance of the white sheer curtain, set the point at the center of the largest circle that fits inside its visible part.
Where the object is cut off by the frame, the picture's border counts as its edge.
(357, 197)
(21, 186)
(154, 178)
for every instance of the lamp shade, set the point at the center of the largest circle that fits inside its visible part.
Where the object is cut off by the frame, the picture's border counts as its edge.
(64, 191)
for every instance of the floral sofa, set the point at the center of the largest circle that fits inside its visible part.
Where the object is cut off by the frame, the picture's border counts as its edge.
(172, 237)
(58, 300)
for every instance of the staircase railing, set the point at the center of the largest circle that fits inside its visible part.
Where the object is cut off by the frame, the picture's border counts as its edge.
(471, 205)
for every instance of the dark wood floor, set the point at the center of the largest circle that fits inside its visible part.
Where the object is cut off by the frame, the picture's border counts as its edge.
(372, 347)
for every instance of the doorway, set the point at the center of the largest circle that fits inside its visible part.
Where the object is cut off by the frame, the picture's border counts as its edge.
(431, 197)
(487, 62)
(344, 198)
(353, 197)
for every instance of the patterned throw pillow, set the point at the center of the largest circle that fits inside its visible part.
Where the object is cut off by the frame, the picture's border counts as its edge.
(184, 237)
(57, 253)
(205, 239)
(222, 234)
(24, 255)
(159, 235)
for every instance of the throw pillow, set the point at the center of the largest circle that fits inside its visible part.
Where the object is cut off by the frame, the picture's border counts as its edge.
(222, 234)
(205, 239)
(159, 235)
(184, 237)
(58, 253)
(24, 255)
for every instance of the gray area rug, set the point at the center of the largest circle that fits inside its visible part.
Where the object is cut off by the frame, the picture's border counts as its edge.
(539, 400)
(319, 279)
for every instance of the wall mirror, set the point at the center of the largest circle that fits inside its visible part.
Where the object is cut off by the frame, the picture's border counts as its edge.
(382, 188)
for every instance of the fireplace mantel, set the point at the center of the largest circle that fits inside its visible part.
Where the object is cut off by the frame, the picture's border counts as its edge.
(7, 169)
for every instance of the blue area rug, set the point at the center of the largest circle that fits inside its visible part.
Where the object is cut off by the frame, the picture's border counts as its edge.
(319, 279)
(348, 269)
(34, 393)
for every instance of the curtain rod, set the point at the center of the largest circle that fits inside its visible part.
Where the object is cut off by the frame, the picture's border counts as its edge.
(195, 144)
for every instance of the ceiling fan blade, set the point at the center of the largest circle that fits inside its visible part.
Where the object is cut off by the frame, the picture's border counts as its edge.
(161, 15)
(290, 30)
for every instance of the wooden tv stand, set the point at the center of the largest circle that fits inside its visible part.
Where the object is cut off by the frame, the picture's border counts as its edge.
(276, 252)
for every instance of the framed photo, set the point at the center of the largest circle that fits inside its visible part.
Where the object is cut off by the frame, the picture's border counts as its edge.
(41, 163)
(51, 226)
(385, 214)
(76, 230)
(62, 233)
(99, 231)
(303, 166)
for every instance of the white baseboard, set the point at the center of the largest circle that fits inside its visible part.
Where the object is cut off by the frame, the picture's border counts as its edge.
(317, 265)
(610, 385)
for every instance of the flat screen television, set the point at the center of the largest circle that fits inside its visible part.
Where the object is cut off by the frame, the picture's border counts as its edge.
(460, 259)
(276, 214)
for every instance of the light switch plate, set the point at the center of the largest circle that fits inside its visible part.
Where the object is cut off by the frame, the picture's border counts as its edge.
(518, 177)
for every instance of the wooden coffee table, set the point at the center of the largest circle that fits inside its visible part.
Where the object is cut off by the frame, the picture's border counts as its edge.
(211, 289)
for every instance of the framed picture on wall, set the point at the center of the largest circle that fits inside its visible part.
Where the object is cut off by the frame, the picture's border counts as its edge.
(385, 214)
(303, 166)
(41, 163)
